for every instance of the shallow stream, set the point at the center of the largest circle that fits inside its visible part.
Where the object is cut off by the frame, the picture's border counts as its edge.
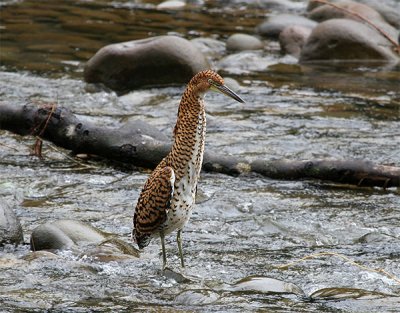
(243, 228)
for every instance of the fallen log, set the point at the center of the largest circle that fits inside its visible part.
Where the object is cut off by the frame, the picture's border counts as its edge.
(138, 144)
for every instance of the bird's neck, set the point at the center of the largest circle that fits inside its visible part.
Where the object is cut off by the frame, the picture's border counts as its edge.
(186, 156)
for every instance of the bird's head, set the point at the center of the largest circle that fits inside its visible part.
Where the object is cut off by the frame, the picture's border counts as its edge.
(210, 80)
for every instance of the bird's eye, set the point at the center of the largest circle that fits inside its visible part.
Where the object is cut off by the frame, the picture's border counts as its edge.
(210, 81)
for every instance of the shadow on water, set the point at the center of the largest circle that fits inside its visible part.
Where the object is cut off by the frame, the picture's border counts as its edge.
(243, 228)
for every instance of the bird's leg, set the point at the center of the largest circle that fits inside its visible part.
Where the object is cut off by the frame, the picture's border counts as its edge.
(179, 241)
(164, 255)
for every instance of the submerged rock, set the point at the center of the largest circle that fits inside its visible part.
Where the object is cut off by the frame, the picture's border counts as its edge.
(273, 26)
(64, 234)
(343, 39)
(10, 226)
(83, 238)
(197, 297)
(340, 293)
(241, 42)
(263, 284)
(156, 61)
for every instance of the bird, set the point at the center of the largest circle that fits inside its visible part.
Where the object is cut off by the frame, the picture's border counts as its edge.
(167, 198)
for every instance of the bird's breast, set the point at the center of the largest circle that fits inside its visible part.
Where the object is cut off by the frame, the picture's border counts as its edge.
(185, 186)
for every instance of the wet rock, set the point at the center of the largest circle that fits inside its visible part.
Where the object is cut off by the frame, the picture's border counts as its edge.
(293, 38)
(374, 237)
(64, 234)
(266, 285)
(338, 293)
(122, 246)
(241, 42)
(10, 226)
(178, 277)
(327, 12)
(171, 5)
(156, 61)
(343, 39)
(273, 26)
(390, 14)
(81, 238)
(352, 10)
(197, 297)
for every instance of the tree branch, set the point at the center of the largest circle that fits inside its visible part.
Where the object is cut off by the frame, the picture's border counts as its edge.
(137, 144)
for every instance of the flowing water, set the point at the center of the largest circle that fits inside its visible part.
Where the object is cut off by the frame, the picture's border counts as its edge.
(243, 228)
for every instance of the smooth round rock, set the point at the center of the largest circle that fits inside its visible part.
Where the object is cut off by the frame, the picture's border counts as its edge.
(343, 39)
(293, 38)
(389, 13)
(327, 12)
(10, 226)
(262, 284)
(242, 42)
(156, 61)
(64, 234)
(273, 26)
(171, 5)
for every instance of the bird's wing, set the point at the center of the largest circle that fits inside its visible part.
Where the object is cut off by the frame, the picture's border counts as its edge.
(154, 201)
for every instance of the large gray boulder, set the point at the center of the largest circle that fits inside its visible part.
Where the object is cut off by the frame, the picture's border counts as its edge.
(343, 39)
(10, 227)
(156, 61)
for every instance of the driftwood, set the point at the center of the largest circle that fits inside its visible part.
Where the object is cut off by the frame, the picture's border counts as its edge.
(137, 144)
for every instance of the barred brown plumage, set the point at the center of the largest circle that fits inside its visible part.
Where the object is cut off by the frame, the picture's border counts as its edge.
(167, 198)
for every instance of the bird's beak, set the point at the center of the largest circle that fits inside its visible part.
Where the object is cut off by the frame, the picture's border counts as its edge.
(226, 91)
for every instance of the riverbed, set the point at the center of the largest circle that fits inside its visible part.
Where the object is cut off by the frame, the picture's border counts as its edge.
(243, 228)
